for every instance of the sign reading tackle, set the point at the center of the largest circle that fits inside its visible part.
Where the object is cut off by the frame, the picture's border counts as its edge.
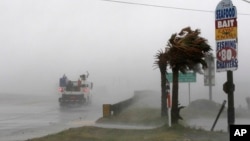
(226, 36)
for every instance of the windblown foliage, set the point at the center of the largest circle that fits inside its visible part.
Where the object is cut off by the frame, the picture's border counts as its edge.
(184, 52)
(187, 49)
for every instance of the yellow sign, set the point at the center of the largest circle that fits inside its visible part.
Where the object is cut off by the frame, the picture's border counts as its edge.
(106, 110)
(226, 33)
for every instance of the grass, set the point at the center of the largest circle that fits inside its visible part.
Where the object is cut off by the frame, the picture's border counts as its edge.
(135, 116)
(177, 133)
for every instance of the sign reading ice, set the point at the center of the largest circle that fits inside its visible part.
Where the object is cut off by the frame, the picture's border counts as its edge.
(226, 36)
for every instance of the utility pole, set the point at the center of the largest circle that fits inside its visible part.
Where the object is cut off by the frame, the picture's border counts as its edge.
(229, 88)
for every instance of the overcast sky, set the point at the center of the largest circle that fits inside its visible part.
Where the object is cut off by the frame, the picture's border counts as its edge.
(40, 40)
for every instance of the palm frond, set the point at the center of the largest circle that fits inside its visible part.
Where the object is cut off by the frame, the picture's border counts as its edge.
(187, 49)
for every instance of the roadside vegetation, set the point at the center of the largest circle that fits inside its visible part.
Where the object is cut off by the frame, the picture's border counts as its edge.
(185, 52)
(141, 116)
(176, 133)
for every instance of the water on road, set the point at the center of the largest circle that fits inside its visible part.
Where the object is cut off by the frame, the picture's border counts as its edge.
(26, 116)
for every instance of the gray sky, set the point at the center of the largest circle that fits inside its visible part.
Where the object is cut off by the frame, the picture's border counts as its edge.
(40, 40)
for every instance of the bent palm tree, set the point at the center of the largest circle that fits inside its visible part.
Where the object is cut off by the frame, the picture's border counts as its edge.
(185, 51)
(161, 63)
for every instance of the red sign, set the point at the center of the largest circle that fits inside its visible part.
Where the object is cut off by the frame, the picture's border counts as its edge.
(226, 54)
(225, 23)
(168, 100)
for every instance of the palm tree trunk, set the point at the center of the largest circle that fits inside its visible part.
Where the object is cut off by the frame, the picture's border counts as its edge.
(175, 88)
(163, 93)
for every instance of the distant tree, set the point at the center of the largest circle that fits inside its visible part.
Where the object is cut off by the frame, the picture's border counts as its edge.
(185, 51)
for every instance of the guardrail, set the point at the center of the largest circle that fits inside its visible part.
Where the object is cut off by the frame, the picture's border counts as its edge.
(117, 108)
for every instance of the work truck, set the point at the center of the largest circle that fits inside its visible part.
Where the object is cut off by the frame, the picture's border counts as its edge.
(78, 92)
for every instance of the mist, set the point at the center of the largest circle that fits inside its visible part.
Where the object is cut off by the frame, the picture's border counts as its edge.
(116, 43)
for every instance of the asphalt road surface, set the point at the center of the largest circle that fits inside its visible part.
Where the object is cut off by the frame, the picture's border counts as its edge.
(27, 116)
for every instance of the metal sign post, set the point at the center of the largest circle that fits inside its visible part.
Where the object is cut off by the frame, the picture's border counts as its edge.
(209, 74)
(169, 109)
(168, 103)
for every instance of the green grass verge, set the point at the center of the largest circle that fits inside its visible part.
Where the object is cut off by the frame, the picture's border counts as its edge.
(135, 116)
(177, 133)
